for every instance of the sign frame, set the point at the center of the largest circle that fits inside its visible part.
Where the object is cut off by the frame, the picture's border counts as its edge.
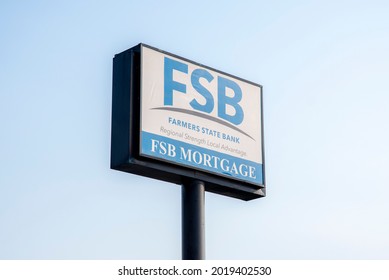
(125, 133)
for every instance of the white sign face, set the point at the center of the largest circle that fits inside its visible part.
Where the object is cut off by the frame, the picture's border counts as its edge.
(200, 118)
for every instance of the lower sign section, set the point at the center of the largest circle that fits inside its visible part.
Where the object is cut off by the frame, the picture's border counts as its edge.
(175, 151)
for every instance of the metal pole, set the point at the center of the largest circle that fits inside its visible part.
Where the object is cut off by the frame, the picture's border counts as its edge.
(193, 225)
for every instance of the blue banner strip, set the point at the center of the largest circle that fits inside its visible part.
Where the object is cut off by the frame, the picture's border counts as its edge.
(189, 155)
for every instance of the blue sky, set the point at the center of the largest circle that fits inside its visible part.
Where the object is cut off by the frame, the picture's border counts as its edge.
(324, 67)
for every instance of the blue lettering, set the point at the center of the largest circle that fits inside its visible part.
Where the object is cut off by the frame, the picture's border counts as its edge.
(195, 79)
(235, 113)
(170, 85)
(224, 100)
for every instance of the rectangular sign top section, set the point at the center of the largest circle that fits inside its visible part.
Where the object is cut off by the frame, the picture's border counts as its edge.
(200, 118)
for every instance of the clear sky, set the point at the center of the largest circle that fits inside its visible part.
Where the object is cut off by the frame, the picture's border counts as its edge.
(324, 67)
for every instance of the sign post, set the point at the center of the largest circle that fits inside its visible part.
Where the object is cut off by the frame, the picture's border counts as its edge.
(185, 123)
(193, 222)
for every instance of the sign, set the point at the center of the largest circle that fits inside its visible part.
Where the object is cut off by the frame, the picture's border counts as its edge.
(176, 120)
(200, 118)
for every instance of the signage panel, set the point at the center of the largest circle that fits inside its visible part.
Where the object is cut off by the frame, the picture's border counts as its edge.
(200, 118)
(178, 121)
